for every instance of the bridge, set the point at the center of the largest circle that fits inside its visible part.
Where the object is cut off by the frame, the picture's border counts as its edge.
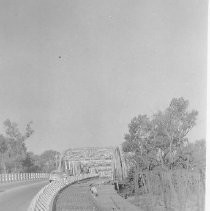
(84, 166)
(90, 159)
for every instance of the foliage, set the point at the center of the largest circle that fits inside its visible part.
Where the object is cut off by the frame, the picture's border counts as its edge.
(13, 133)
(3, 150)
(197, 154)
(3, 144)
(14, 154)
(165, 169)
(47, 160)
(29, 163)
(12, 146)
(160, 140)
(178, 189)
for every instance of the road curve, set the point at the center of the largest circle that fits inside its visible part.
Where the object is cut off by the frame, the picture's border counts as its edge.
(76, 197)
(17, 197)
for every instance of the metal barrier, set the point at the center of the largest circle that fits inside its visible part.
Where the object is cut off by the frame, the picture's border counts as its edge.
(44, 198)
(13, 177)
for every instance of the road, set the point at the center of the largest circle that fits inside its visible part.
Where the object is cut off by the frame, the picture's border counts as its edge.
(17, 196)
(76, 197)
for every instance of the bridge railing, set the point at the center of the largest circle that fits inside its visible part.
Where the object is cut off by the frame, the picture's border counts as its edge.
(45, 197)
(13, 177)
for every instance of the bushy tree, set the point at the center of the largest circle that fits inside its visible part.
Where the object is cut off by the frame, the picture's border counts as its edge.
(12, 148)
(171, 128)
(3, 150)
(14, 154)
(160, 140)
(30, 163)
(47, 160)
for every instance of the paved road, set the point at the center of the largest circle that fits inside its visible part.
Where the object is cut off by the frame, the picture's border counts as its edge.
(17, 196)
(76, 197)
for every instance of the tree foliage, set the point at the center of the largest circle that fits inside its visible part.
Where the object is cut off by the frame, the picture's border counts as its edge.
(30, 164)
(12, 146)
(14, 155)
(161, 139)
(48, 160)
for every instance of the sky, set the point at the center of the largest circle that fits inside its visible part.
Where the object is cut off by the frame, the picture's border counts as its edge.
(81, 70)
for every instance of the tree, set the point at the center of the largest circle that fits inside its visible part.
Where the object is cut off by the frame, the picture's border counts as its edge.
(170, 129)
(47, 160)
(197, 154)
(29, 163)
(138, 140)
(13, 132)
(3, 150)
(16, 149)
(159, 140)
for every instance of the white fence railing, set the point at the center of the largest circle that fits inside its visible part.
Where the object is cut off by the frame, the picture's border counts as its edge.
(44, 198)
(4, 178)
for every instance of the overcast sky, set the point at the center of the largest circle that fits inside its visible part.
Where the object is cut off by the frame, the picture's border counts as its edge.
(80, 70)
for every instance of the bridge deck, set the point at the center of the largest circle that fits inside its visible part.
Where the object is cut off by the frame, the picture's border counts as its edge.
(78, 197)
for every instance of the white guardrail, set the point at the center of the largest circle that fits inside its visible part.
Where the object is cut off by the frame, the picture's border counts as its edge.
(13, 177)
(44, 198)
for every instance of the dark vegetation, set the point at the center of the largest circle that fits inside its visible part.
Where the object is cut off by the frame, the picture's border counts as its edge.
(165, 170)
(14, 156)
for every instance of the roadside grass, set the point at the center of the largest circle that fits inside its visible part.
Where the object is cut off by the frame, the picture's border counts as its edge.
(174, 190)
